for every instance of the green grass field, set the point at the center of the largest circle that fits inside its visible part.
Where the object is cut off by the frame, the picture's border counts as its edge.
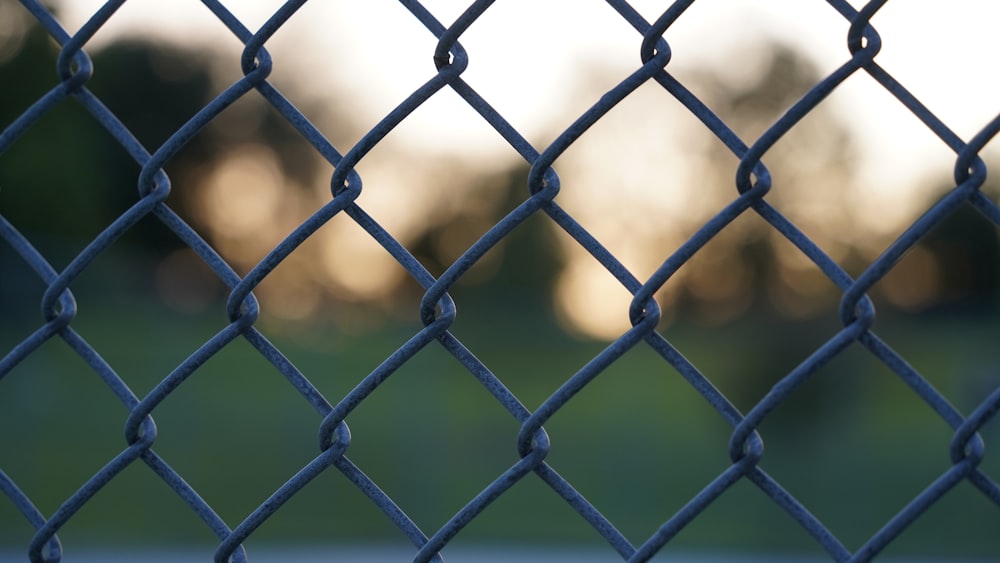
(853, 444)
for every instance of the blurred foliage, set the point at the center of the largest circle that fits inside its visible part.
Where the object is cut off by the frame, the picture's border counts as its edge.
(638, 441)
(518, 272)
(67, 157)
(812, 168)
(155, 88)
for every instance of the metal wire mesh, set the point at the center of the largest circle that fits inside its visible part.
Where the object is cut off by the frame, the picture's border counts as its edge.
(438, 310)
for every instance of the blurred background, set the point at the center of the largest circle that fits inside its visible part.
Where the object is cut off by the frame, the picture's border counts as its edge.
(854, 444)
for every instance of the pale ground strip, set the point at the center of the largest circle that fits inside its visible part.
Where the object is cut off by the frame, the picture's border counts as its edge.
(485, 554)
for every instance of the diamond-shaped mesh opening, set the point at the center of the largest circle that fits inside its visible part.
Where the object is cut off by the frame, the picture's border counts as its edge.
(744, 520)
(638, 442)
(854, 432)
(62, 424)
(250, 399)
(963, 505)
(449, 437)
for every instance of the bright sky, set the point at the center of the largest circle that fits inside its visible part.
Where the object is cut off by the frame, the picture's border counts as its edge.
(524, 64)
(538, 63)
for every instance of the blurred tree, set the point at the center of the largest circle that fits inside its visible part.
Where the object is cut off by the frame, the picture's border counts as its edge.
(55, 160)
(520, 271)
(955, 268)
(773, 282)
(811, 169)
(968, 254)
(66, 179)
(650, 158)
(155, 88)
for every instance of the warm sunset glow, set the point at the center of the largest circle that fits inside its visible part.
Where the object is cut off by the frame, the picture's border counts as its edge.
(913, 283)
(355, 264)
(590, 301)
(641, 180)
(242, 201)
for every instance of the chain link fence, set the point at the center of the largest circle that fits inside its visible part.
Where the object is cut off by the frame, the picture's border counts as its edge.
(437, 310)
